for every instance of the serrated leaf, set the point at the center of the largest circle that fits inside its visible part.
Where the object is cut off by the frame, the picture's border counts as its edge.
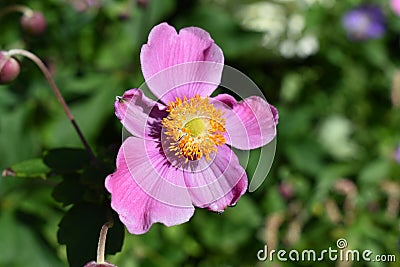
(66, 159)
(79, 231)
(33, 168)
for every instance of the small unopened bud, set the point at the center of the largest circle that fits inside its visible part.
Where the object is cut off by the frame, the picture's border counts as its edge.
(94, 264)
(124, 16)
(286, 190)
(143, 3)
(9, 68)
(33, 23)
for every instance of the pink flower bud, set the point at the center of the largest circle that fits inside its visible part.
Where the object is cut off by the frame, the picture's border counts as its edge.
(9, 68)
(33, 23)
(286, 190)
(95, 264)
(142, 3)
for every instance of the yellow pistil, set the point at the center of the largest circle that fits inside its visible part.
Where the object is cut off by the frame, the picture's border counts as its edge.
(194, 128)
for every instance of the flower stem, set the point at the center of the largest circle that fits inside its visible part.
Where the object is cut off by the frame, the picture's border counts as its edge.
(56, 91)
(3, 62)
(15, 8)
(101, 247)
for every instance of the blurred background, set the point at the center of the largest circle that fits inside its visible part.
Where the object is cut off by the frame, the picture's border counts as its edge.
(329, 66)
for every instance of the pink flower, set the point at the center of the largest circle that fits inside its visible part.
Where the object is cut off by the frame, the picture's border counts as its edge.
(395, 4)
(179, 156)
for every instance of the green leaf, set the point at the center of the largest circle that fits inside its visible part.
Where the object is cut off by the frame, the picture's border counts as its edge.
(17, 143)
(79, 231)
(69, 190)
(20, 245)
(85, 186)
(374, 172)
(305, 156)
(66, 159)
(33, 168)
(227, 232)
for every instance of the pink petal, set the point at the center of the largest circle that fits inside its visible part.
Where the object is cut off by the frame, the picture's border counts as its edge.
(140, 115)
(219, 185)
(193, 47)
(250, 123)
(145, 189)
(395, 4)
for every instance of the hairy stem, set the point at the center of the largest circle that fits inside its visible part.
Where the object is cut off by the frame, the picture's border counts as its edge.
(101, 247)
(56, 91)
(4, 61)
(15, 8)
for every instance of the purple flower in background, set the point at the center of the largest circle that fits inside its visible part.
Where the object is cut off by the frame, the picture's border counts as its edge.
(364, 22)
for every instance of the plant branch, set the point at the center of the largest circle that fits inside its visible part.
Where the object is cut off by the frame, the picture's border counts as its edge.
(101, 247)
(15, 8)
(56, 91)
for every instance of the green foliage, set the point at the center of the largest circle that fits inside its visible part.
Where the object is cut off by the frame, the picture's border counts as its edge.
(21, 245)
(32, 168)
(334, 175)
(81, 241)
(66, 159)
(82, 186)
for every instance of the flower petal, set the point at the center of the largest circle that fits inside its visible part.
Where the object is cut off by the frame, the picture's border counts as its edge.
(145, 190)
(197, 61)
(219, 185)
(140, 115)
(250, 123)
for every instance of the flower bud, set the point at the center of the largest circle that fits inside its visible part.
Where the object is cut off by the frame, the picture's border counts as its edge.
(286, 191)
(142, 3)
(95, 264)
(33, 23)
(9, 68)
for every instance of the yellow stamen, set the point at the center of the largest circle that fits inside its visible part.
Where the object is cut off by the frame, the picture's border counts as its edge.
(194, 128)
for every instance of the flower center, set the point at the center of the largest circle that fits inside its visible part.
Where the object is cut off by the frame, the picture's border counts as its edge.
(194, 128)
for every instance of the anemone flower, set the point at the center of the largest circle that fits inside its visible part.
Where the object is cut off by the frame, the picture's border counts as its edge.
(364, 22)
(178, 155)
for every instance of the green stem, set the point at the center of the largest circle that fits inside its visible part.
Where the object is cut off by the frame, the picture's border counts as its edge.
(56, 91)
(16, 8)
(101, 247)
(5, 58)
